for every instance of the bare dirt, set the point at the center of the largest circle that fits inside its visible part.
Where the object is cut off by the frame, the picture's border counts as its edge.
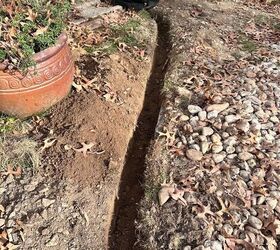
(86, 118)
(68, 202)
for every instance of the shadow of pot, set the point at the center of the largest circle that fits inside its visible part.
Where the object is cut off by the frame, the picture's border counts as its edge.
(43, 86)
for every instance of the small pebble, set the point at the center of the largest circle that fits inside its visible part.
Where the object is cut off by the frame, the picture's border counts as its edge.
(194, 155)
(216, 138)
(204, 146)
(231, 118)
(194, 109)
(255, 222)
(274, 119)
(207, 131)
(243, 125)
(245, 156)
(218, 157)
(272, 202)
(230, 149)
(212, 114)
(217, 149)
(184, 118)
(217, 107)
(252, 163)
(202, 115)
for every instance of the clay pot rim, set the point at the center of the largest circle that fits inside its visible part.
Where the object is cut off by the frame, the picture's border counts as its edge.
(48, 52)
(51, 51)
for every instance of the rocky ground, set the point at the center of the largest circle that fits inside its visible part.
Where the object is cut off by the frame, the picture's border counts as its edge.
(212, 173)
(212, 178)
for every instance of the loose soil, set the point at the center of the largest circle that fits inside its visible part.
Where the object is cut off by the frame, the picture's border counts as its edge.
(68, 203)
(85, 118)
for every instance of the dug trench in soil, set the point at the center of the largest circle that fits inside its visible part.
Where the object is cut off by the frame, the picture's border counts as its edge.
(123, 232)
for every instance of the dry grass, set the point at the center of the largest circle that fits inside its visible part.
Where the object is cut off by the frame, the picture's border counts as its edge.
(15, 151)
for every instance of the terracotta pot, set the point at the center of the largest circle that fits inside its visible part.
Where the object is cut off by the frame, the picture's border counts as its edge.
(43, 86)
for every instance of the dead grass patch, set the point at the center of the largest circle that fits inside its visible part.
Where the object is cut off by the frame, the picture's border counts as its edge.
(20, 152)
(16, 149)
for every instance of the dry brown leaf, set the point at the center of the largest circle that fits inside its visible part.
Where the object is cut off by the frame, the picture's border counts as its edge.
(85, 148)
(40, 31)
(78, 87)
(31, 15)
(164, 194)
(11, 171)
(232, 242)
(48, 143)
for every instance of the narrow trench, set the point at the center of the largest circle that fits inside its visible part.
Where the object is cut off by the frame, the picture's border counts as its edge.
(122, 232)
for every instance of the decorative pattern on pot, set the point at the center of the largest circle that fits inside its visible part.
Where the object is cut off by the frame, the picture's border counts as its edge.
(43, 85)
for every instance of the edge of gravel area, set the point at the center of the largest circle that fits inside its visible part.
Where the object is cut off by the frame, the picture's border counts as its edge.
(159, 165)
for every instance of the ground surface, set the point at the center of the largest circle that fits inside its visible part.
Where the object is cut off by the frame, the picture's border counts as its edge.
(68, 201)
(212, 172)
(218, 136)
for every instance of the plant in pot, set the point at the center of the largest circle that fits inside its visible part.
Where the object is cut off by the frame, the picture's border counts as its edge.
(36, 66)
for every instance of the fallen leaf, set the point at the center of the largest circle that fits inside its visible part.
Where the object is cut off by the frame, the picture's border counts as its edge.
(11, 171)
(164, 194)
(40, 31)
(85, 148)
(48, 143)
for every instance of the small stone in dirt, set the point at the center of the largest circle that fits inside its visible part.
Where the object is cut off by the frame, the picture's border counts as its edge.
(216, 138)
(232, 140)
(195, 146)
(218, 157)
(202, 138)
(228, 229)
(230, 149)
(2, 190)
(212, 114)
(274, 119)
(225, 135)
(47, 202)
(184, 118)
(2, 222)
(207, 131)
(194, 109)
(231, 118)
(193, 121)
(243, 125)
(194, 155)
(216, 245)
(251, 163)
(272, 202)
(53, 241)
(9, 179)
(231, 156)
(251, 74)
(255, 222)
(204, 146)
(45, 231)
(218, 107)
(202, 115)
(245, 156)
(217, 148)
(184, 92)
